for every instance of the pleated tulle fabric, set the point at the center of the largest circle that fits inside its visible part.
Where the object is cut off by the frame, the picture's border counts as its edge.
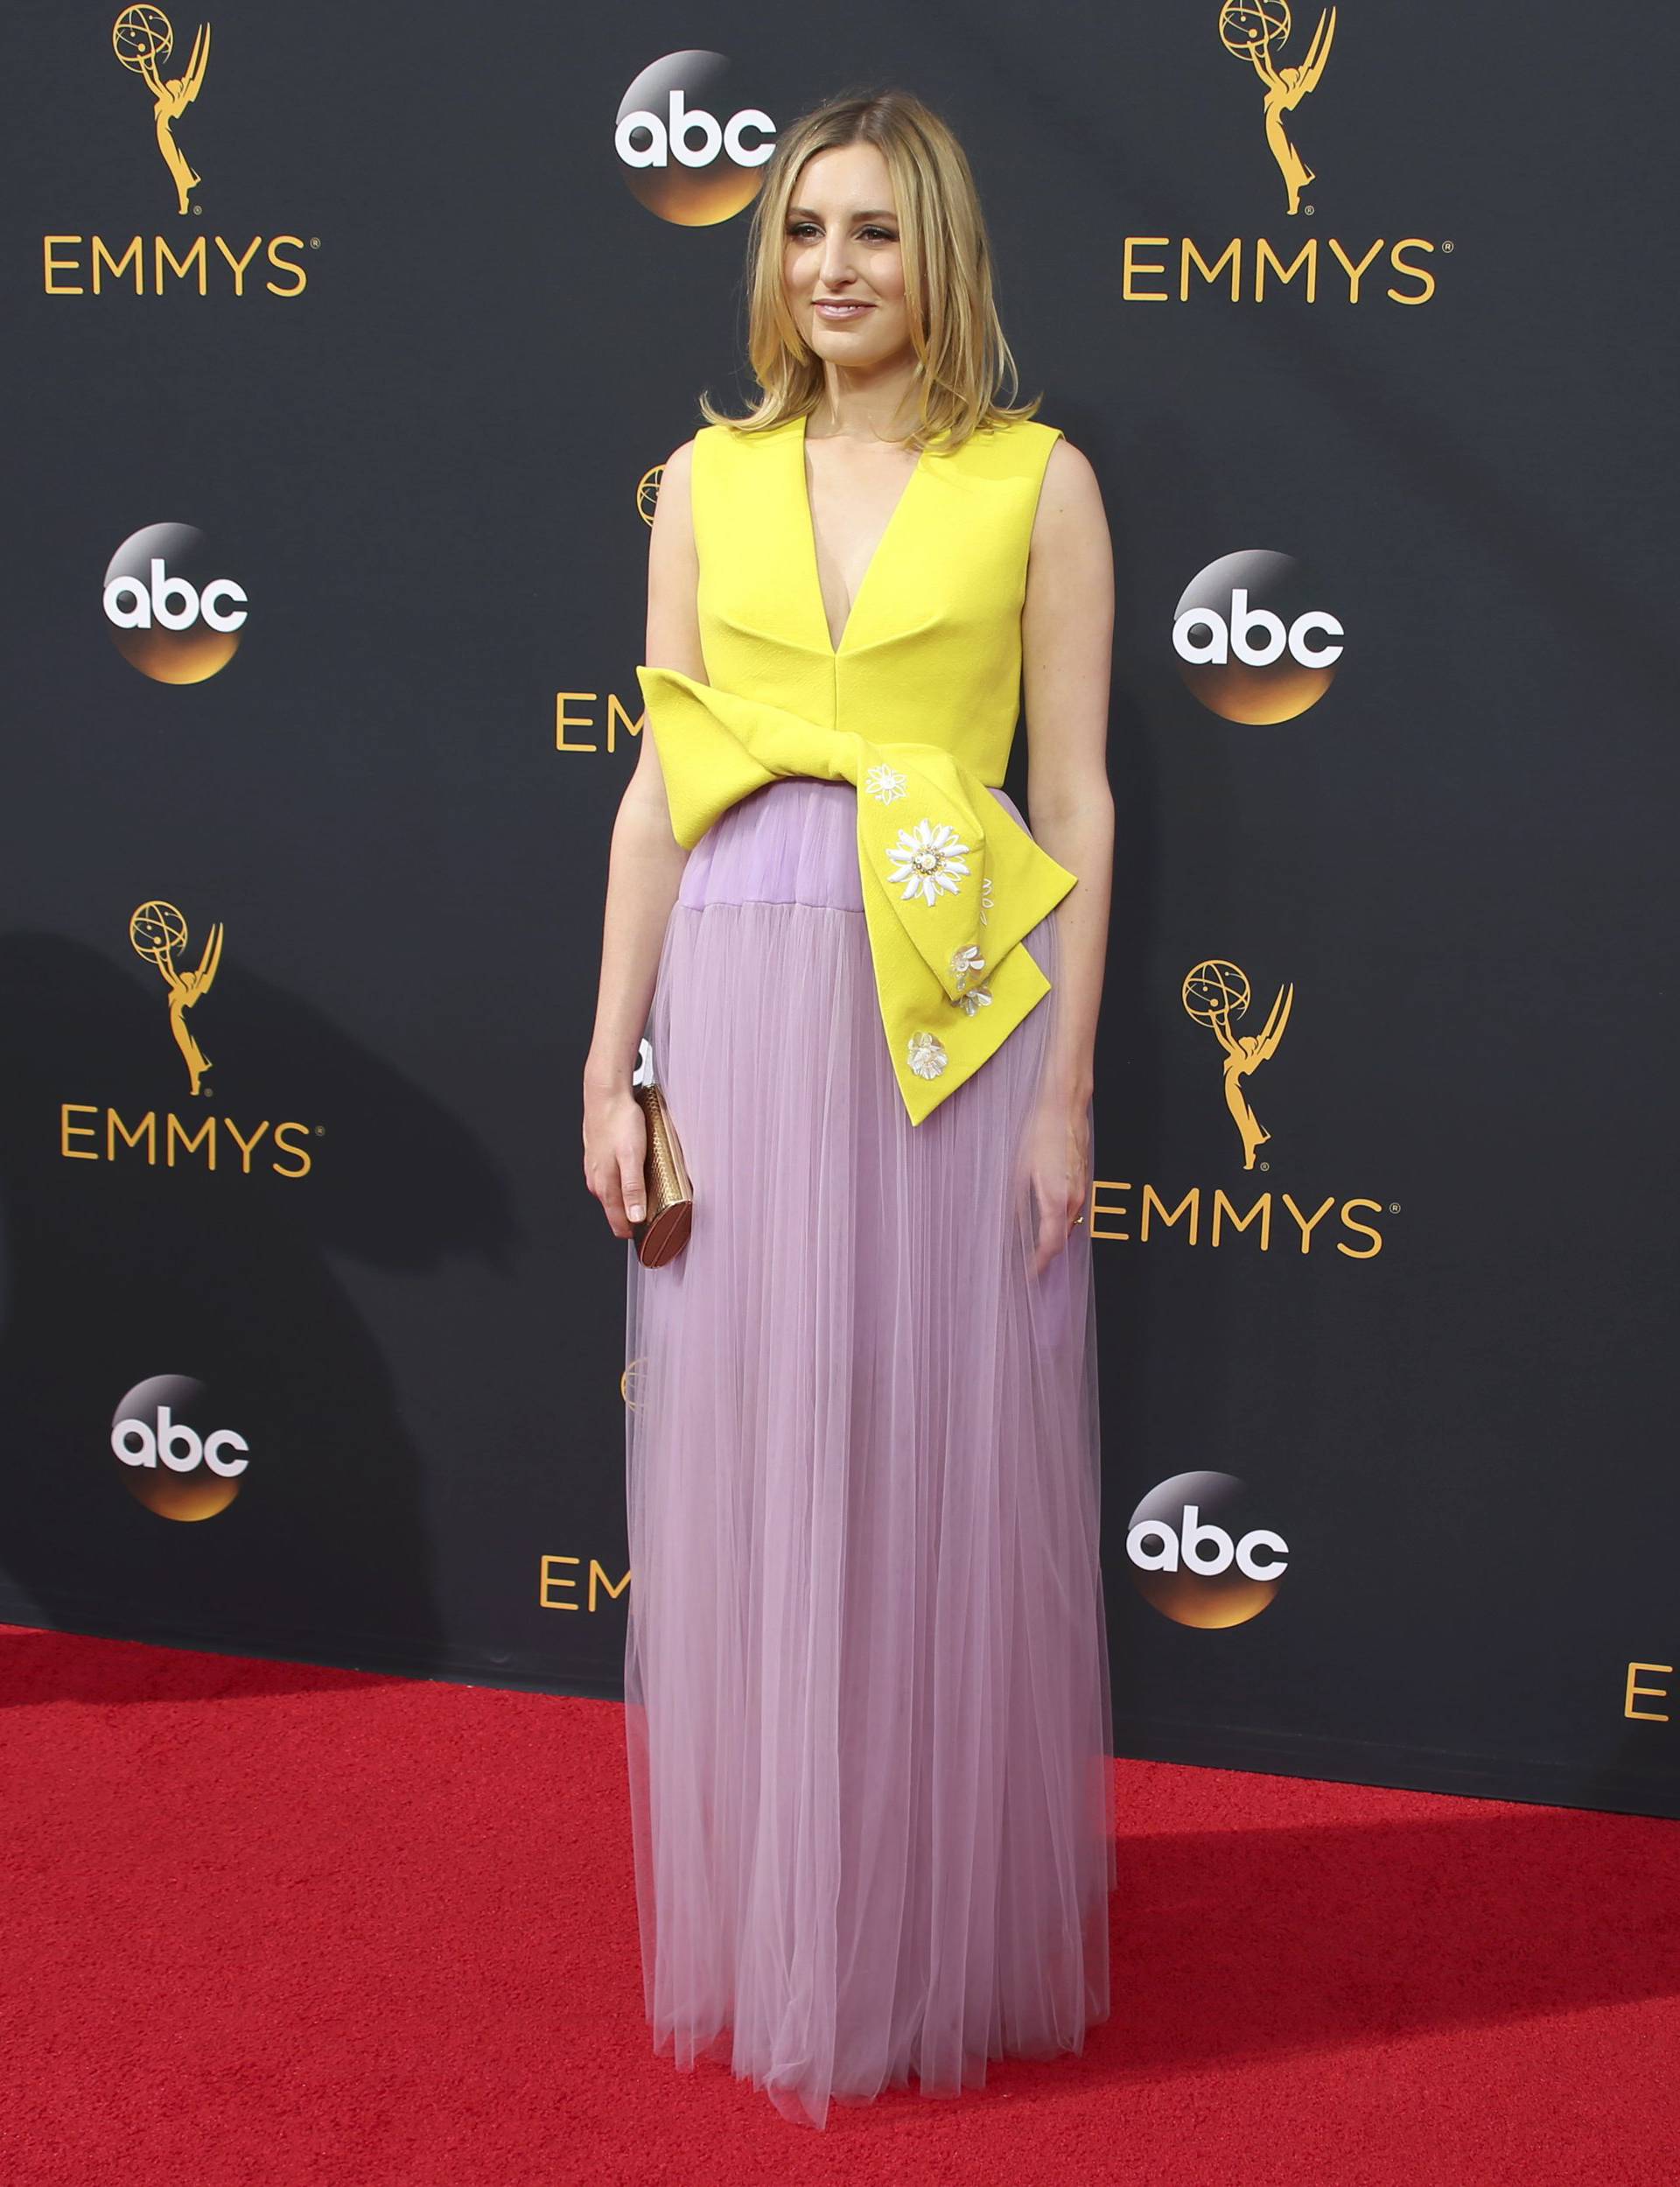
(866, 1678)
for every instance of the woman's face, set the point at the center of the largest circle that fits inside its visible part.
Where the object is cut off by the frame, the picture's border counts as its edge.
(842, 242)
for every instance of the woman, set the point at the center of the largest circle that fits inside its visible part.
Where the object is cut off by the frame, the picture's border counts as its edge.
(867, 1695)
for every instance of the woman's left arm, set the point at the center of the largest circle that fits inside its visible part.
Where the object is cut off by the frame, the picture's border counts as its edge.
(1067, 648)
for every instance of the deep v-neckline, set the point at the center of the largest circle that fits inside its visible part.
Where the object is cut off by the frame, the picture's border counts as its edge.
(804, 486)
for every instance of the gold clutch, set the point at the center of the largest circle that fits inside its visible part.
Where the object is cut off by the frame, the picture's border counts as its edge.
(663, 1232)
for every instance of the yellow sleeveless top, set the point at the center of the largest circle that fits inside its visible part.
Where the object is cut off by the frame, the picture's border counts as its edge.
(917, 706)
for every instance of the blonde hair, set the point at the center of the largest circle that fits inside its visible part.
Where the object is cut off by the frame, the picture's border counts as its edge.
(961, 356)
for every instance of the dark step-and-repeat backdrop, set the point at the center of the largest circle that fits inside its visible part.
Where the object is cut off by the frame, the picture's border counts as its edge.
(344, 347)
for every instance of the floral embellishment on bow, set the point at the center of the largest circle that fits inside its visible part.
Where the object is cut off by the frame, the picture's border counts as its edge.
(986, 904)
(966, 964)
(929, 861)
(926, 1054)
(885, 784)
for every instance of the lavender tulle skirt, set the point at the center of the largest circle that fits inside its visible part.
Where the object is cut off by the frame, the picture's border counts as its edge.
(866, 1679)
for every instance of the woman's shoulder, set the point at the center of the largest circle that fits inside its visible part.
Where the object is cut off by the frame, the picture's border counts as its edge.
(1013, 447)
(1035, 429)
(708, 437)
(725, 443)
(1046, 444)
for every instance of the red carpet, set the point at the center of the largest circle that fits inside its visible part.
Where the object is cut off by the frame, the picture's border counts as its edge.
(275, 1924)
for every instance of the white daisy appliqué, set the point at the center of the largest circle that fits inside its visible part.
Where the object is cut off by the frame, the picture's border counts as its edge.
(966, 964)
(884, 783)
(928, 860)
(926, 1054)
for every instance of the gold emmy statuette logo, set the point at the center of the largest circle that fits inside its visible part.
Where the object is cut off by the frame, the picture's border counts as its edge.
(1249, 32)
(1215, 993)
(141, 37)
(158, 931)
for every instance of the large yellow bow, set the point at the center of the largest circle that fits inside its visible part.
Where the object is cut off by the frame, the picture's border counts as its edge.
(951, 881)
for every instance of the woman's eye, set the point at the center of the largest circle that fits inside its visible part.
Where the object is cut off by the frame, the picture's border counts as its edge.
(799, 229)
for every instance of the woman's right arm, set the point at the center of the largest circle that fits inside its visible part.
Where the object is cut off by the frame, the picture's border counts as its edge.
(644, 873)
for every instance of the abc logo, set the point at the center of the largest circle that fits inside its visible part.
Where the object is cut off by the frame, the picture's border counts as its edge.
(681, 160)
(1249, 644)
(178, 1464)
(169, 612)
(1196, 1554)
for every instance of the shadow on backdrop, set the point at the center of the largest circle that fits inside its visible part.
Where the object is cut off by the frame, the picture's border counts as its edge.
(118, 1268)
